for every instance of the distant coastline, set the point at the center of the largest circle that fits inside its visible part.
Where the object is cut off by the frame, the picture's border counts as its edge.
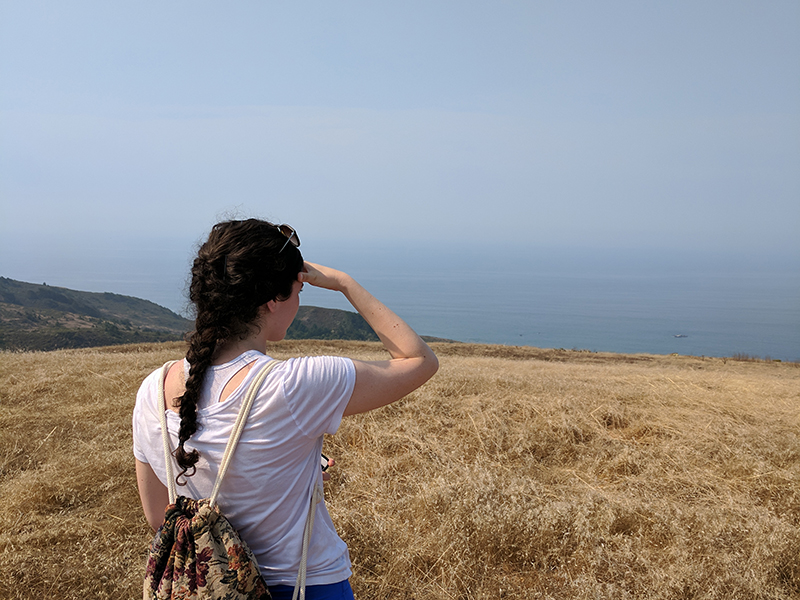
(42, 317)
(560, 302)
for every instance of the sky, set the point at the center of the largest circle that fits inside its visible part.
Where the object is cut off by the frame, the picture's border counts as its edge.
(617, 124)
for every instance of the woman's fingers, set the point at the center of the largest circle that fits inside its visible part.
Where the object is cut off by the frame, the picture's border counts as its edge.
(326, 474)
(320, 276)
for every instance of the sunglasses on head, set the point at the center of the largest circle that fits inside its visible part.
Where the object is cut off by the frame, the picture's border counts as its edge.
(291, 236)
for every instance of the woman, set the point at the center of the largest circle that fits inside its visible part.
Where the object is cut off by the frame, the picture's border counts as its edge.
(245, 284)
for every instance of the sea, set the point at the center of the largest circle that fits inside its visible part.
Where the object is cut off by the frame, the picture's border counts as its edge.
(604, 300)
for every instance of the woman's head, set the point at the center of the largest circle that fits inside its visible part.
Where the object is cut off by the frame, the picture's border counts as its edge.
(241, 267)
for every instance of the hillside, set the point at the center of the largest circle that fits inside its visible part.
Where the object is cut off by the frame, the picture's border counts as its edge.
(43, 317)
(514, 473)
(314, 323)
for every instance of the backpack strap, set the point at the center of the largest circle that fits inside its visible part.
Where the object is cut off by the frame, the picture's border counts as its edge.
(162, 419)
(244, 411)
(300, 582)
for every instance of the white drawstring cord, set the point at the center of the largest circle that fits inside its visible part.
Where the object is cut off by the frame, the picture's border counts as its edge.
(300, 585)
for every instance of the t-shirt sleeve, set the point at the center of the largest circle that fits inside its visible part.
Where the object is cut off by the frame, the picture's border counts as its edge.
(143, 415)
(317, 390)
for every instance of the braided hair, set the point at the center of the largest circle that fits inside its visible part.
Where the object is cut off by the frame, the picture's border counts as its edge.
(242, 266)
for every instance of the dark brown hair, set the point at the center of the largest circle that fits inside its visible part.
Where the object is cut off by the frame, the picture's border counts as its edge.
(242, 266)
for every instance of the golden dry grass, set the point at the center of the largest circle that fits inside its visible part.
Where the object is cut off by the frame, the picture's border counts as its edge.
(514, 473)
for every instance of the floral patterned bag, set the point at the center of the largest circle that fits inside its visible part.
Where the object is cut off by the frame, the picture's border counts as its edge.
(196, 553)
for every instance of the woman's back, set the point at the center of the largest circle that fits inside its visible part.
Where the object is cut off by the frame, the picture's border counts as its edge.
(267, 489)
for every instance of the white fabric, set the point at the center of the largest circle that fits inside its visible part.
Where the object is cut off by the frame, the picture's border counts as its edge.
(213, 385)
(270, 482)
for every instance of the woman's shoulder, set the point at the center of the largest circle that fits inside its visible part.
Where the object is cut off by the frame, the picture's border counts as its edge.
(319, 364)
(150, 382)
(315, 390)
(147, 395)
(305, 371)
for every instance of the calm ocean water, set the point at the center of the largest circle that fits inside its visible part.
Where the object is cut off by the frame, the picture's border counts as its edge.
(602, 301)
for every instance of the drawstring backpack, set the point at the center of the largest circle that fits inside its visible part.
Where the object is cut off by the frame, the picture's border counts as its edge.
(196, 554)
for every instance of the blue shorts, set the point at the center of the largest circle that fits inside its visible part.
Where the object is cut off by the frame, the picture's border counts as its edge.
(332, 591)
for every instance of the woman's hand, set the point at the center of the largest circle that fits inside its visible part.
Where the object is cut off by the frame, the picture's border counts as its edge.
(323, 277)
(325, 474)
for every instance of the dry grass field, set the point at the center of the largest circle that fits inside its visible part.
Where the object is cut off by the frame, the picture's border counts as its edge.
(514, 473)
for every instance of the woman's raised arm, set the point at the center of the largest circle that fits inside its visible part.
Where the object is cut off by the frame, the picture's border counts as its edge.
(379, 383)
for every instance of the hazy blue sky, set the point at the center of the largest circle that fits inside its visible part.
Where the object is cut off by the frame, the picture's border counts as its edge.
(627, 124)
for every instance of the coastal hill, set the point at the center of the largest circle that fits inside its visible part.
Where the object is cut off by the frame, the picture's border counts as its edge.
(44, 317)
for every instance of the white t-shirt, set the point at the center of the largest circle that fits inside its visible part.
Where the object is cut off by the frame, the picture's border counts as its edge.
(268, 486)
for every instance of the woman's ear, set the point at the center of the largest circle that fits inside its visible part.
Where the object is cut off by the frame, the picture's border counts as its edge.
(268, 307)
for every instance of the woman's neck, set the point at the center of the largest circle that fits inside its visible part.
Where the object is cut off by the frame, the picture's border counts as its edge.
(256, 339)
(231, 349)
